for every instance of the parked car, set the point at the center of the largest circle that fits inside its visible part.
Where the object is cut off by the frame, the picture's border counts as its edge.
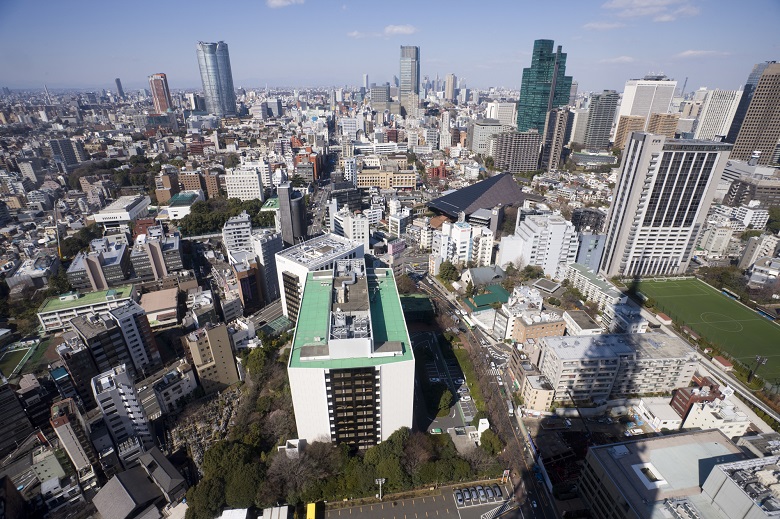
(459, 498)
(435, 431)
(481, 491)
(637, 431)
(474, 496)
(465, 398)
(489, 492)
(497, 491)
(466, 494)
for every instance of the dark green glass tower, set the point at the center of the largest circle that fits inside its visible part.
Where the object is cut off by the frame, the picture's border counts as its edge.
(545, 86)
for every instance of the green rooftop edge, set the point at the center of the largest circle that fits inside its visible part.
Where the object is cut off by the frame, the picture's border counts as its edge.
(54, 304)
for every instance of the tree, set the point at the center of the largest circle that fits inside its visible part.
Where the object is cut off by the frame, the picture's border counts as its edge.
(445, 401)
(469, 289)
(490, 442)
(489, 163)
(232, 160)
(59, 284)
(206, 499)
(405, 284)
(447, 271)
(531, 272)
(745, 236)
(773, 225)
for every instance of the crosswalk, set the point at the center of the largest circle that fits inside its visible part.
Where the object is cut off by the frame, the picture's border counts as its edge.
(505, 507)
(494, 372)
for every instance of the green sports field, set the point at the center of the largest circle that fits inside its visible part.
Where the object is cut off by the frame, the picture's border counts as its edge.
(737, 329)
(10, 360)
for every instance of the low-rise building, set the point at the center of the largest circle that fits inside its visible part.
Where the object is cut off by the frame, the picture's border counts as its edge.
(718, 414)
(578, 322)
(123, 210)
(56, 312)
(623, 318)
(593, 287)
(175, 386)
(537, 393)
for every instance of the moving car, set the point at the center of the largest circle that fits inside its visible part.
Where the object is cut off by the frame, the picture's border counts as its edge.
(466, 398)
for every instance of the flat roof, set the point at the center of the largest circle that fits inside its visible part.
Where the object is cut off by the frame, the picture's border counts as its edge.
(387, 319)
(582, 319)
(680, 462)
(54, 304)
(321, 249)
(123, 203)
(643, 345)
(603, 285)
(271, 204)
(159, 300)
(183, 199)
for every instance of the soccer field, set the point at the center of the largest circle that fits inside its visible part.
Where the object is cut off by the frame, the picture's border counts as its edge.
(737, 329)
(10, 360)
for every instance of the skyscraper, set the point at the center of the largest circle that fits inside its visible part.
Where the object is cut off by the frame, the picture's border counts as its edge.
(410, 70)
(747, 96)
(161, 95)
(120, 92)
(365, 82)
(293, 213)
(663, 193)
(717, 113)
(600, 116)
(760, 131)
(449, 88)
(554, 138)
(545, 86)
(649, 95)
(217, 78)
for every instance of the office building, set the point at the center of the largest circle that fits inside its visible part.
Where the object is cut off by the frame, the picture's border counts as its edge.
(664, 477)
(450, 88)
(717, 113)
(244, 182)
(626, 125)
(155, 258)
(237, 233)
(123, 210)
(380, 94)
(544, 86)
(590, 249)
(601, 114)
(246, 272)
(650, 95)
(480, 133)
(108, 265)
(139, 339)
(747, 96)
(595, 368)
(751, 183)
(123, 413)
(120, 92)
(161, 95)
(578, 123)
(293, 264)
(522, 317)
(15, 426)
(104, 338)
(718, 414)
(515, 152)
(548, 241)
(760, 130)
(266, 243)
(505, 113)
(556, 129)
(212, 356)
(410, 71)
(292, 214)
(663, 124)
(81, 368)
(662, 197)
(353, 226)
(399, 180)
(351, 366)
(217, 78)
(72, 432)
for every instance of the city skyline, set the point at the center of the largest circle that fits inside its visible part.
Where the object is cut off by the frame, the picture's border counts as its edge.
(614, 41)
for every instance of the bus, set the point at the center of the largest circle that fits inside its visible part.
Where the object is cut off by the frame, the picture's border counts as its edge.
(313, 511)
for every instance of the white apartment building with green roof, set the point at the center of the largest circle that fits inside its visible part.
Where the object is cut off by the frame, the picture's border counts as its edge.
(351, 366)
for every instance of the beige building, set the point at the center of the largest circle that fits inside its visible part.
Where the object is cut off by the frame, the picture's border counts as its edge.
(760, 130)
(543, 324)
(537, 393)
(719, 414)
(212, 356)
(626, 125)
(663, 124)
(387, 179)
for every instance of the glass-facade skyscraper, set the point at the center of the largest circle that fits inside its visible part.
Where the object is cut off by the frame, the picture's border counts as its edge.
(217, 78)
(410, 70)
(545, 86)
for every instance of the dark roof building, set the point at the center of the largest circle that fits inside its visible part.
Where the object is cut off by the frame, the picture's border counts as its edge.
(164, 474)
(497, 190)
(126, 495)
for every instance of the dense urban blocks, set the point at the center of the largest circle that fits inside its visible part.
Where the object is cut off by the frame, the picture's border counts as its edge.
(733, 327)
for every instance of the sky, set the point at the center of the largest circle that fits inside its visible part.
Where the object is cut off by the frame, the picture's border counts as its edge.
(298, 43)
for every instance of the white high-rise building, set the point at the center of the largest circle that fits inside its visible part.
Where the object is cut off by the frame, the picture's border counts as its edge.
(245, 183)
(350, 170)
(460, 243)
(261, 165)
(505, 113)
(663, 193)
(237, 233)
(548, 241)
(717, 113)
(122, 410)
(140, 341)
(445, 136)
(351, 365)
(352, 226)
(650, 95)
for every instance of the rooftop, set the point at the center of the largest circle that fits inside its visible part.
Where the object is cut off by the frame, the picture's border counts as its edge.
(318, 251)
(592, 277)
(583, 320)
(271, 204)
(642, 345)
(387, 326)
(497, 190)
(75, 300)
(183, 199)
(495, 294)
(124, 203)
(159, 300)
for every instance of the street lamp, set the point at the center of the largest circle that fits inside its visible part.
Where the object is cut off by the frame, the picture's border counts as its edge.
(380, 482)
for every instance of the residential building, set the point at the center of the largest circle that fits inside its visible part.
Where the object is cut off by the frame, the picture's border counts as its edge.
(522, 317)
(105, 341)
(661, 200)
(747, 96)
(759, 247)
(663, 124)
(246, 273)
(515, 152)
(626, 125)
(594, 287)
(212, 355)
(718, 414)
(504, 113)
(217, 78)
(544, 86)
(80, 369)
(154, 258)
(353, 226)
(601, 113)
(163, 474)
(556, 130)
(123, 412)
(56, 313)
(623, 318)
(165, 186)
(590, 249)
(15, 426)
(140, 341)
(267, 243)
(751, 182)
(760, 130)
(244, 182)
(717, 114)
(67, 152)
(237, 233)
(72, 432)
(462, 243)
(579, 322)
(480, 133)
(596, 368)
(649, 95)
(175, 386)
(293, 265)
(547, 241)
(537, 393)
(351, 366)
(161, 95)
(662, 476)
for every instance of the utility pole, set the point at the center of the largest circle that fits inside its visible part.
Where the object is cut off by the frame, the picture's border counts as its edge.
(760, 361)
(380, 482)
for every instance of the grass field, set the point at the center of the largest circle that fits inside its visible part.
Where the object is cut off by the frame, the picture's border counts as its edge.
(10, 360)
(737, 329)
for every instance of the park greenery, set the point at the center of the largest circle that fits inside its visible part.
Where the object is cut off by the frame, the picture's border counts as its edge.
(80, 241)
(210, 216)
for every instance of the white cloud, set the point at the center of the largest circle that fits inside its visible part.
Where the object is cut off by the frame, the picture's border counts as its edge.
(275, 4)
(358, 35)
(618, 59)
(392, 30)
(602, 26)
(700, 53)
(659, 10)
